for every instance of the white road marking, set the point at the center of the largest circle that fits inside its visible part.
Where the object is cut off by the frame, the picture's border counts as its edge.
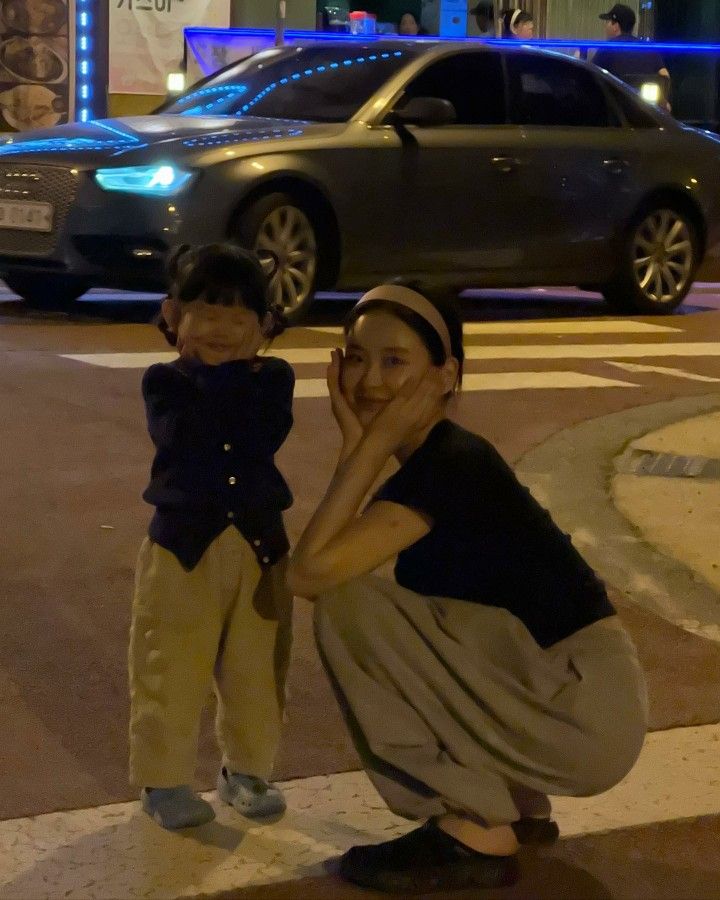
(116, 851)
(594, 351)
(121, 360)
(494, 381)
(565, 326)
(309, 355)
(661, 370)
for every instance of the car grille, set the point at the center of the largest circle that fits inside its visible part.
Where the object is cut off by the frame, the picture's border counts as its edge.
(48, 184)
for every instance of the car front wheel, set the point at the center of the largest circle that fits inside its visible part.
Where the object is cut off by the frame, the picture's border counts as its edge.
(659, 258)
(283, 235)
(52, 292)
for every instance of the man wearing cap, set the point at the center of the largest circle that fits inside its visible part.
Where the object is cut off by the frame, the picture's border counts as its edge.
(619, 25)
(484, 13)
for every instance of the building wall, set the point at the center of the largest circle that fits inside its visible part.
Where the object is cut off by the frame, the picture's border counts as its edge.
(262, 13)
(678, 20)
(571, 19)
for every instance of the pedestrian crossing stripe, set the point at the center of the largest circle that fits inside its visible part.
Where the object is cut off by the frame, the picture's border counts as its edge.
(495, 381)
(317, 387)
(321, 355)
(563, 326)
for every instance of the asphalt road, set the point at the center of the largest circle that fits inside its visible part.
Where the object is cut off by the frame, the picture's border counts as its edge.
(75, 460)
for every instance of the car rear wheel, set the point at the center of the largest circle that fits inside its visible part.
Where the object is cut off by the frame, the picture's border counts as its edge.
(52, 292)
(283, 235)
(660, 256)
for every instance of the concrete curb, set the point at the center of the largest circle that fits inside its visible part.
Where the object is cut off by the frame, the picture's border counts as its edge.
(570, 474)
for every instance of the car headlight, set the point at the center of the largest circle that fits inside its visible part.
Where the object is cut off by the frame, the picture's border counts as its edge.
(161, 180)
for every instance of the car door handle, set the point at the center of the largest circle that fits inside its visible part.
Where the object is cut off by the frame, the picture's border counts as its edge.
(615, 165)
(505, 164)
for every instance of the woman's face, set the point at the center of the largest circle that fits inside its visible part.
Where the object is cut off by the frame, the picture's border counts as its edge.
(525, 30)
(381, 355)
(408, 24)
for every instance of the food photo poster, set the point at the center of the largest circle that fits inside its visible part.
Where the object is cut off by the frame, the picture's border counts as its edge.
(35, 71)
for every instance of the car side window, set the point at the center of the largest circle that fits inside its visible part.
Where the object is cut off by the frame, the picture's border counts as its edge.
(472, 82)
(545, 91)
(633, 110)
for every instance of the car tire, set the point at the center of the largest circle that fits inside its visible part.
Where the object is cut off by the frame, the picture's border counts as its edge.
(47, 292)
(283, 234)
(659, 257)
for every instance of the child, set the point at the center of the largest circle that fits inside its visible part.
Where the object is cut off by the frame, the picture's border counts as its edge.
(494, 670)
(210, 600)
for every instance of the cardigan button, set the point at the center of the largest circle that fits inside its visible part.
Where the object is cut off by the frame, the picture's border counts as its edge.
(232, 480)
(266, 559)
(257, 542)
(231, 515)
(227, 447)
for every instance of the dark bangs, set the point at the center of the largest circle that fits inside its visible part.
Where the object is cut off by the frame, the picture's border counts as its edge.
(221, 274)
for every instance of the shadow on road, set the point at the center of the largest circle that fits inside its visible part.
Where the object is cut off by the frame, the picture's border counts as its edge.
(330, 309)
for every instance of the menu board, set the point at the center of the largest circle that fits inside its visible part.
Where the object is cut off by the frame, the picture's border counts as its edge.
(147, 42)
(35, 71)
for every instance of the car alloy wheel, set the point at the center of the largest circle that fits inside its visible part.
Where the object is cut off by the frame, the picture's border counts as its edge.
(663, 255)
(287, 247)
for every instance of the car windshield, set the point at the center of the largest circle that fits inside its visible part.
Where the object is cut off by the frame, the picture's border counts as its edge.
(317, 84)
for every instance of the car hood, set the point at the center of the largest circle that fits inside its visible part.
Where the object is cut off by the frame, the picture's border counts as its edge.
(142, 138)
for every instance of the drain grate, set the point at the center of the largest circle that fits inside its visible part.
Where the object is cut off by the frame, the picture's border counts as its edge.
(666, 465)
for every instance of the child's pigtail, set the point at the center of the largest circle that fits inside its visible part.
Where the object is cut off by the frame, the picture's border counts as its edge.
(163, 326)
(173, 264)
(277, 321)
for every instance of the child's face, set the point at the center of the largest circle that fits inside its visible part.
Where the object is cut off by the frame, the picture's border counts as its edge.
(525, 31)
(212, 333)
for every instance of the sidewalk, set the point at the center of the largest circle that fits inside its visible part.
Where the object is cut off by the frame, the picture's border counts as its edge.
(678, 512)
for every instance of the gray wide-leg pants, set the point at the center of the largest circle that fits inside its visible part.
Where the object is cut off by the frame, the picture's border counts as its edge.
(454, 707)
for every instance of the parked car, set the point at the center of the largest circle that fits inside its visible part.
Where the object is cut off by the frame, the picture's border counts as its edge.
(348, 163)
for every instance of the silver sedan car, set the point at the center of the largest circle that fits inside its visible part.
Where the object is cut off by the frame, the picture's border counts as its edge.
(346, 163)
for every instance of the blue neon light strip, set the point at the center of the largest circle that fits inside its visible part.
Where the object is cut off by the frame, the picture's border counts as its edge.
(321, 36)
(229, 90)
(84, 63)
(59, 145)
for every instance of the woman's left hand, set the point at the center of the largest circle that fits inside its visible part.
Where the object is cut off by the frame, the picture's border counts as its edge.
(412, 409)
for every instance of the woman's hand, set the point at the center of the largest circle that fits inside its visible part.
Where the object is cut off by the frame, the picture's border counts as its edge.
(414, 408)
(350, 428)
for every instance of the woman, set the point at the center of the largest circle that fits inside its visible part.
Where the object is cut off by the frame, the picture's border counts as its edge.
(495, 671)
(409, 25)
(517, 24)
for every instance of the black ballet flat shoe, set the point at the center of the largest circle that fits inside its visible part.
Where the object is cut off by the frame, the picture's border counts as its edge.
(536, 832)
(423, 861)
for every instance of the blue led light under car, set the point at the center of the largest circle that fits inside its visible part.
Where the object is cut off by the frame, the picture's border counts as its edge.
(160, 180)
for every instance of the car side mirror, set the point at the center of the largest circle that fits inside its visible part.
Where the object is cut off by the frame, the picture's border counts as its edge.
(425, 112)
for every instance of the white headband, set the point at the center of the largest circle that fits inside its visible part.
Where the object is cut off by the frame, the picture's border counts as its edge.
(405, 296)
(511, 23)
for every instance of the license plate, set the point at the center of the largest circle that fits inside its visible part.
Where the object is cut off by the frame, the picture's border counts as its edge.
(26, 215)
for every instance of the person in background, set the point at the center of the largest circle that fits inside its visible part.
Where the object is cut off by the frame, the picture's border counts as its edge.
(430, 16)
(211, 603)
(516, 24)
(619, 25)
(484, 13)
(409, 25)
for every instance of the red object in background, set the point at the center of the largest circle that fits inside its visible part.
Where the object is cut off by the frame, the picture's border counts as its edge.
(362, 22)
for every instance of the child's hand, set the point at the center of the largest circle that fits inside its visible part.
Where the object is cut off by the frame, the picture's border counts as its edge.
(251, 344)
